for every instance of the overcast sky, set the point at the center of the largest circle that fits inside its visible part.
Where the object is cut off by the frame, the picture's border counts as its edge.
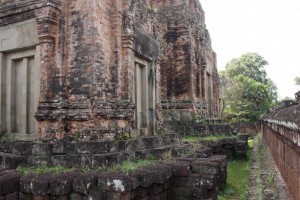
(270, 28)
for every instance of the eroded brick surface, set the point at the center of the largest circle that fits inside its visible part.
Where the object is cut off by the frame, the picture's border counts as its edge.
(90, 52)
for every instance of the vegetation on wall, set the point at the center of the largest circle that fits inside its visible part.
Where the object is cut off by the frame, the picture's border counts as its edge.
(247, 93)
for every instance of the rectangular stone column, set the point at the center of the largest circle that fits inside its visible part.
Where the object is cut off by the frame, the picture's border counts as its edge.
(10, 112)
(2, 94)
(24, 100)
(203, 84)
(142, 94)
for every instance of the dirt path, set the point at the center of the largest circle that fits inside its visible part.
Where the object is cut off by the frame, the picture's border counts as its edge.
(265, 181)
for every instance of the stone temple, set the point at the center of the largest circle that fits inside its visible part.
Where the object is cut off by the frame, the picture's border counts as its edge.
(100, 67)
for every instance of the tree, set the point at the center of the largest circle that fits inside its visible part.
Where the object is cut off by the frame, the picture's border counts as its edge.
(247, 93)
(297, 80)
(250, 65)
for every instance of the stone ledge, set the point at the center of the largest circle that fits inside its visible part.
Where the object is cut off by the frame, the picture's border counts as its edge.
(160, 180)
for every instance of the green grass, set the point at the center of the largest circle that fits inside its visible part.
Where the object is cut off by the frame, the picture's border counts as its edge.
(129, 166)
(195, 138)
(238, 171)
(43, 169)
(125, 167)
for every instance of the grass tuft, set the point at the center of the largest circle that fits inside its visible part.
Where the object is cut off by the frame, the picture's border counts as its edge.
(43, 169)
(129, 166)
(196, 138)
(238, 171)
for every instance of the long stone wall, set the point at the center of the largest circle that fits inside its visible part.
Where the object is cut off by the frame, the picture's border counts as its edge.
(194, 172)
(181, 179)
(281, 132)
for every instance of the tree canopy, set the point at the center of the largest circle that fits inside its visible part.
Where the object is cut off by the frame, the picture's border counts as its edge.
(247, 93)
(297, 80)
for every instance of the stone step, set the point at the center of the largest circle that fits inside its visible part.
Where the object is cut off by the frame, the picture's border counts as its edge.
(181, 149)
(11, 161)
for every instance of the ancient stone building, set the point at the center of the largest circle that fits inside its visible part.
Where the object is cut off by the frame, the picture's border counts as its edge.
(99, 68)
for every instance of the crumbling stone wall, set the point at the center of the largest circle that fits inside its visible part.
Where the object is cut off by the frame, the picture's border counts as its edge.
(249, 128)
(189, 78)
(182, 179)
(91, 56)
(193, 173)
(281, 132)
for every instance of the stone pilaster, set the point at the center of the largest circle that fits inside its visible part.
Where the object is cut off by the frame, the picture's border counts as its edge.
(50, 112)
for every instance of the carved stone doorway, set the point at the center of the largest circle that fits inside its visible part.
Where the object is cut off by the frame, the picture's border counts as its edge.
(20, 89)
(144, 97)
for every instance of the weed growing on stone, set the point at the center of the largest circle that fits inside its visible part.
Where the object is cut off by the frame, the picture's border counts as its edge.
(43, 169)
(196, 138)
(271, 178)
(129, 166)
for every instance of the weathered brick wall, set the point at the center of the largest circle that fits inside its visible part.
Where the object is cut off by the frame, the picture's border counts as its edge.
(88, 55)
(249, 128)
(281, 132)
(186, 61)
(88, 154)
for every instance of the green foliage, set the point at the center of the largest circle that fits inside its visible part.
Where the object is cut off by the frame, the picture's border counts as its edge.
(196, 138)
(129, 166)
(238, 171)
(287, 99)
(297, 80)
(123, 136)
(43, 169)
(250, 65)
(247, 93)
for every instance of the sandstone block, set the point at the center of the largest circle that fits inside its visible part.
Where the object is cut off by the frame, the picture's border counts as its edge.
(60, 147)
(12, 196)
(8, 146)
(126, 156)
(62, 184)
(22, 148)
(180, 168)
(142, 192)
(61, 160)
(143, 154)
(161, 173)
(204, 152)
(80, 160)
(24, 196)
(152, 142)
(100, 161)
(41, 184)
(156, 189)
(206, 167)
(25, 183)
(9, 182)
(38, 161)
(127, 145)
(142, 177)
(84, 183)
(76, 196)
(208, 182)
(96, 147)
(164, 152)
(98, 194)
(115, 182)
(11, 161)
(42, 149)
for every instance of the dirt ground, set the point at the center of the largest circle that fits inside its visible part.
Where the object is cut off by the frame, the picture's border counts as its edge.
(266, 182)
